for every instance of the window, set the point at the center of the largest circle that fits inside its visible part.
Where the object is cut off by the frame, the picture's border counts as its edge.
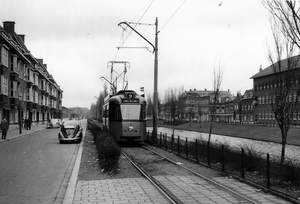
(4, 85)
(4, 56)
(14, 89)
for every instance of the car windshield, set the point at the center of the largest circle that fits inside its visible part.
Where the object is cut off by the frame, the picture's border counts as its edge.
(130, 112)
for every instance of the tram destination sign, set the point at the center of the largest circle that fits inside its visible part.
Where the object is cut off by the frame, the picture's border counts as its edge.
(130, 100)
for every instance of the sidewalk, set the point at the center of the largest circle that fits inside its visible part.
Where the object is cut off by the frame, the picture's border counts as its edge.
(15, 133)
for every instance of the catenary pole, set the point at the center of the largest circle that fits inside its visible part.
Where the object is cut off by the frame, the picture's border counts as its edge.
(155, 93)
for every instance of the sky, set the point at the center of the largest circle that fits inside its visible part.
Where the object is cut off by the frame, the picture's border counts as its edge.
(77, 40)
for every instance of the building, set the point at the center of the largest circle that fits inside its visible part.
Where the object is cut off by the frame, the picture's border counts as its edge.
(27, 90)
(266, 84)
(247, 108)
(197, 104)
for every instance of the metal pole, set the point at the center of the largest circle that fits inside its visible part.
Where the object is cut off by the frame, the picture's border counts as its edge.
(155, 94)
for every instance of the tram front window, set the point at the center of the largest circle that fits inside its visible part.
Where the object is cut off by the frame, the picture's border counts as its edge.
(130, 112)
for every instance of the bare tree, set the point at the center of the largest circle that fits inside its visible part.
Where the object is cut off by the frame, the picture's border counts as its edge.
(285, 95)
(286, 15)
(214, 98)
(149, 106)
(200, 113)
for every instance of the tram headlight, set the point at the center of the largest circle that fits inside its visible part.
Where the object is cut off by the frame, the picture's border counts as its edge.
(130, 128)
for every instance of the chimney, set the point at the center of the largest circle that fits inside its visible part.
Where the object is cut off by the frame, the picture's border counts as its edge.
(45, 66)
(194, 89)
(9, 26)
(260, 68)
(22, 37)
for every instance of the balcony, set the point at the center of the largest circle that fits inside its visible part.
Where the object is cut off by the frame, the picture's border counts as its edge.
(14, 101)
(14, 76)
(29, 84)
(3, 99)
(29, 104)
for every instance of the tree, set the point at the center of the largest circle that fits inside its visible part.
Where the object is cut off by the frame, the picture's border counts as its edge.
(200, 112)
(149, 106)
(214, 99)
(285, 95)
(286, 15)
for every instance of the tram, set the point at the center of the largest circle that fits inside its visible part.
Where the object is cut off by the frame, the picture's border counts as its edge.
(125, 116)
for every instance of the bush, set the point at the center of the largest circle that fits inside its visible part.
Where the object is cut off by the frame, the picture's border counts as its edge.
(108, 150)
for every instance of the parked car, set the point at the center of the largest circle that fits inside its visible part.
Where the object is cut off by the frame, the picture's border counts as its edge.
(70, 131)
(54, 123)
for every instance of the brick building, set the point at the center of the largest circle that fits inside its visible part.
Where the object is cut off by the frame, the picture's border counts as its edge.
(266, 82)
(27, 90)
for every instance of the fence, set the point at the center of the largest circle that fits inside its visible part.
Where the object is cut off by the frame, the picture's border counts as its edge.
(245, 163)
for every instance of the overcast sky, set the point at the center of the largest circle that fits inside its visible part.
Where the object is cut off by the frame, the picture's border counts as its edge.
(78, 38)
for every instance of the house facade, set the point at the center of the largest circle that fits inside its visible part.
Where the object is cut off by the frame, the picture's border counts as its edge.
(27, 90)
(267, 82)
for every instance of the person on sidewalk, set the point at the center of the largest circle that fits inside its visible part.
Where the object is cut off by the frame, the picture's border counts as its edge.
(4, 128)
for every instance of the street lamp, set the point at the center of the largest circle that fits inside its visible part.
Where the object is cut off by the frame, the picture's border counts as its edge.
(20, 118)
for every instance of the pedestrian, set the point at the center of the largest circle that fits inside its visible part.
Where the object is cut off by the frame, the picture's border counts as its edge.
(4, 128)
(29, 123)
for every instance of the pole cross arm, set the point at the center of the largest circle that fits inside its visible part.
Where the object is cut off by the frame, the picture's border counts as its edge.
(138, 34)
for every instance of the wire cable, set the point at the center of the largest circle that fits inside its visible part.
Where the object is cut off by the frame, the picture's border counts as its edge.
(139, 21)
(172, 15)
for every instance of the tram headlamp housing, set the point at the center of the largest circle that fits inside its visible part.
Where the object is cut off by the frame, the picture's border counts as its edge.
(130, 128)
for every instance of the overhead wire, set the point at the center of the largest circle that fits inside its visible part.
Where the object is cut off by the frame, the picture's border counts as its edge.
(172, 15)
(138, 21)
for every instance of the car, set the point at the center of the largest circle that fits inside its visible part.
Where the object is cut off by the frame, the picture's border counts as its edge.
(70, 131)
(54, 123)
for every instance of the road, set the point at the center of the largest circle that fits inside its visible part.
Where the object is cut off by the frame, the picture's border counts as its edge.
(35, 168)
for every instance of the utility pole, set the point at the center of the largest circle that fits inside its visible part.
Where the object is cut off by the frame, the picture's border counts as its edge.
(155, 93)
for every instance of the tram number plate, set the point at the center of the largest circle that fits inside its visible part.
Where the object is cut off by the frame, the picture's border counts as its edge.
(130, 100)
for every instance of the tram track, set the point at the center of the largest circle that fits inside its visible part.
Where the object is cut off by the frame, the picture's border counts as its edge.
(150, 172)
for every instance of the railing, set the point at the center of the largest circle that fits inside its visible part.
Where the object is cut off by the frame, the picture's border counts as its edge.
(246, 164)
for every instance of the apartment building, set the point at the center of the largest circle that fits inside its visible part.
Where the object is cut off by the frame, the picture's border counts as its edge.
(27, 90)
(197, 104)
(266, 84)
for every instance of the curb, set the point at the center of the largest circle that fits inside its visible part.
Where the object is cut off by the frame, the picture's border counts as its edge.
(21, 135)
(70, 192)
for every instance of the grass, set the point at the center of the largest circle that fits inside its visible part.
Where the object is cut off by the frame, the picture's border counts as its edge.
(263, 133)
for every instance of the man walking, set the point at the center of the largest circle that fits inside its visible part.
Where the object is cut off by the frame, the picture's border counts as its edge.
(4, 128)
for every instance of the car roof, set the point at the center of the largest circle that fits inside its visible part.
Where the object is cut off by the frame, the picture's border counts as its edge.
(71, 123)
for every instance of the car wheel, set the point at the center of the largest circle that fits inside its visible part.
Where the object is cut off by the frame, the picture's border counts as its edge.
(61, 142)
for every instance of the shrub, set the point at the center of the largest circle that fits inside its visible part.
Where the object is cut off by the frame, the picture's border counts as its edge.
(108, 150)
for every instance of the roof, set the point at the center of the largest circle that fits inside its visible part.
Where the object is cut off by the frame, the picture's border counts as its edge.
(270, 70)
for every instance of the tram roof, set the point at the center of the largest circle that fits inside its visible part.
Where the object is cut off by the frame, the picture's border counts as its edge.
(121, 97)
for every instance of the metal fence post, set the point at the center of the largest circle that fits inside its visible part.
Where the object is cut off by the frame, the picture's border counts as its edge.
(208, 153)
(223, 158)
(268, 171)
(242, 168)
(178, 146)
(160, 139)
(186, 148)
(172, 143)
(166, 141)
(196, 150)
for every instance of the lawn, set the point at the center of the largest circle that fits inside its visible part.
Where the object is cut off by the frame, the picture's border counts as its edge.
(264, 133)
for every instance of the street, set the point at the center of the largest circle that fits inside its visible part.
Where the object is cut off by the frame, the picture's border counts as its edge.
(35, 168)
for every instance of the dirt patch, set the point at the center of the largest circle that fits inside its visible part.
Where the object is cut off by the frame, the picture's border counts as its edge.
(91, 170)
